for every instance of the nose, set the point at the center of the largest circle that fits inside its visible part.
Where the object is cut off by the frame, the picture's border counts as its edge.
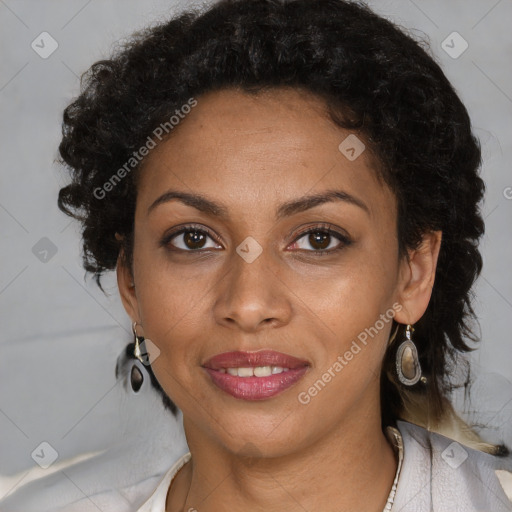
(253, 295)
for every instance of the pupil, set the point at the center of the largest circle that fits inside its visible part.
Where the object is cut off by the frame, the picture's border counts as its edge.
(319, 238)
(194, 239)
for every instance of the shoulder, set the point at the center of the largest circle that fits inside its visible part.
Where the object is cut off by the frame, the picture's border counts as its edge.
(81, 487)
(441, 473)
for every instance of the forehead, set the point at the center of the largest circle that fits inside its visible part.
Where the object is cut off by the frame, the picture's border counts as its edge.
(263, 147)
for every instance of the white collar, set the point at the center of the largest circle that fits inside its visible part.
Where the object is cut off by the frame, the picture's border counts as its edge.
(156, 502)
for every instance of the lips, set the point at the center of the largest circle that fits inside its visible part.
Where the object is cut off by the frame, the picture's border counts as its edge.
(254, 359)
(255, 375)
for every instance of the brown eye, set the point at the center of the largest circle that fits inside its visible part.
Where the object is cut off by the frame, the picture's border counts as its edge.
(320, 241)
(190, 239)
(194, 239)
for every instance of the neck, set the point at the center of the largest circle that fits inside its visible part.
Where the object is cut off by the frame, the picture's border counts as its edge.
(351, 468)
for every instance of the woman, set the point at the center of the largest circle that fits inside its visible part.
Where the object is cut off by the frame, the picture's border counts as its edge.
(289, 193)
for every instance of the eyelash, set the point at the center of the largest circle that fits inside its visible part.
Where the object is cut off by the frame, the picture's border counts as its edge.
(322, 228)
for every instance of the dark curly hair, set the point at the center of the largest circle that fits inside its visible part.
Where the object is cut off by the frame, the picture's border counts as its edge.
(374, 78)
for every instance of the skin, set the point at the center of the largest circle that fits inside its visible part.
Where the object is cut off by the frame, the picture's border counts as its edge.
(252, 153)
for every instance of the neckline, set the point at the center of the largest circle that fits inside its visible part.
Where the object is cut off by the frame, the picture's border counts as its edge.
(392, 433)
(395, 437)
(177, 468)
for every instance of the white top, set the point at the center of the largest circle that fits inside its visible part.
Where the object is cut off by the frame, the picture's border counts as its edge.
(434, 474)
(156, 502)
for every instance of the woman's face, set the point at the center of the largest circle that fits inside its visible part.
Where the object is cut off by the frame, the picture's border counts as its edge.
(245, 277)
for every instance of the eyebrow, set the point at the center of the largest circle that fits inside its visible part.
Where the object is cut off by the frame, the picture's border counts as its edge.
(287, 209)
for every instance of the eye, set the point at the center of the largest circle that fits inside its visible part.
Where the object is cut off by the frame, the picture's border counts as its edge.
(189, 239)
(322, 239)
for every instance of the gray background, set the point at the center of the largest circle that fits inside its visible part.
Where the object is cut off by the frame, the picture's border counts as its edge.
(60, 336)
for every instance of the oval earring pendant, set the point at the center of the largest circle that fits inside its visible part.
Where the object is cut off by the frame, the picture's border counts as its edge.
(136, 378)
(408, 366)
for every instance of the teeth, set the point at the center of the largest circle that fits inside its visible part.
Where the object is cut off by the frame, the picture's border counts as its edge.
(258, 371)
(245, 372)
(262, 371)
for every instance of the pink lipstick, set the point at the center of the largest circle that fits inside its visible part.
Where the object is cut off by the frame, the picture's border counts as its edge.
(255, 375)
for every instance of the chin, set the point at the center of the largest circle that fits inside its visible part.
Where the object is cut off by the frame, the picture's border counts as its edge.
(266, 434)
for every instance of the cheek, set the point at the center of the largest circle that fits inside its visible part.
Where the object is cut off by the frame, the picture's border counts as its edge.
(168, 294)
(171, 307)
(358, 309)
(348, 368)
(173, 316)
(353, 297)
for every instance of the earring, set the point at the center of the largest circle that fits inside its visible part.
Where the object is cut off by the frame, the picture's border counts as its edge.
(408, 366)
(136, 376)
(137, 341)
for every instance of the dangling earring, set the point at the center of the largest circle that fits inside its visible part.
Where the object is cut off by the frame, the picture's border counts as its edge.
(408, 366)
(136, 376)
(137, 341)
(144, 349)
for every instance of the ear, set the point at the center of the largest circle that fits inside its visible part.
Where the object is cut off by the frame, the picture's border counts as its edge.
(126, 287)
(416, 278)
